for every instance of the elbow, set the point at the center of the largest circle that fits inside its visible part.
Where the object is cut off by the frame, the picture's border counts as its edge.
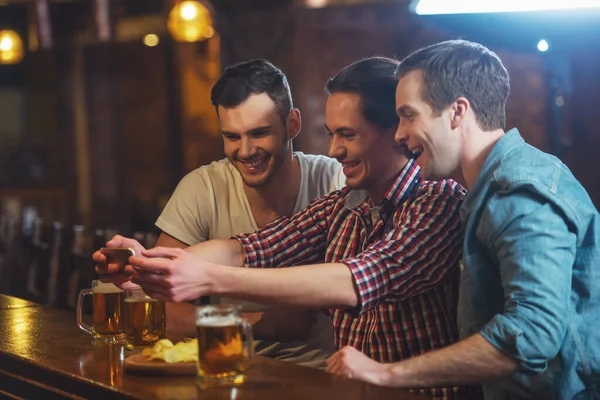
(351, 300)
(537, 348)
(351, 296)
(533, 344)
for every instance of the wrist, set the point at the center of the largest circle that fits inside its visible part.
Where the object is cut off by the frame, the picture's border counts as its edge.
(391, 374)
(215, 276)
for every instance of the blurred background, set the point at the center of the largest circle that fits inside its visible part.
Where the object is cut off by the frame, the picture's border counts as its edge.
(104, 104)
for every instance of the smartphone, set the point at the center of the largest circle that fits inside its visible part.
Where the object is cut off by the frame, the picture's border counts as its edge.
(118, 255)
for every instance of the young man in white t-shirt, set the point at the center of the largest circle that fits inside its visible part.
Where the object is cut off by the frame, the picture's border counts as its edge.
(260, 180)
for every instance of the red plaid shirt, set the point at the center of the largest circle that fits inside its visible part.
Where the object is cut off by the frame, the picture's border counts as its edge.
(403, 258)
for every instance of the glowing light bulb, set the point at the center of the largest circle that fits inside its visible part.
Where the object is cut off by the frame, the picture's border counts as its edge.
(151, 40)
(11, 47)
(189, 10)
(190, 21)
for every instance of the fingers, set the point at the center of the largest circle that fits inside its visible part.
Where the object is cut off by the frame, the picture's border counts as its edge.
(150, 265)
(333, 365)
(99, 257)
(120, 280)
(149, 286)
(146, 278)
(339, 363)
(153, 289)
(165, 252)
(108, 269)
(122, 241)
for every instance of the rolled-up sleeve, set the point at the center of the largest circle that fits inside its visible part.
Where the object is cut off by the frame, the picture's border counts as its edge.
(535, 250)
(285, 242)
(414, 256)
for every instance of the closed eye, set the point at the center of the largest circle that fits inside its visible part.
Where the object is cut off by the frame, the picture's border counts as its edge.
(231, 137)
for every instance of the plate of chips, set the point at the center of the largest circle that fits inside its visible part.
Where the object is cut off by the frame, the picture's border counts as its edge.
(165, 358)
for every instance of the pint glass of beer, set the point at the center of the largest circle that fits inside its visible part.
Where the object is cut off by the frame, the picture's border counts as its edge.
(144, 318)
(224, 345)
(107, 300)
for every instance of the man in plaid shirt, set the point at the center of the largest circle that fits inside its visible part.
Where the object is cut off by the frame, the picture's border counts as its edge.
(388, 243)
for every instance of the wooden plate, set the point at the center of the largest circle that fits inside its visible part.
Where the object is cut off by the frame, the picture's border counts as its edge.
(140, 364)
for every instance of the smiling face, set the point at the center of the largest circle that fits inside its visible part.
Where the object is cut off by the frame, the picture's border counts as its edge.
(426, 133)
(368, 154)
(255, 138)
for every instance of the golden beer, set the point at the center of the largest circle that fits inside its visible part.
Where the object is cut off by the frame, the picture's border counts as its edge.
(224, 346)
(107, 311)
(107, 301)
(144, 321)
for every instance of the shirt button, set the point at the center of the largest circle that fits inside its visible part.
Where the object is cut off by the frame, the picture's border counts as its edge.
(461, 265)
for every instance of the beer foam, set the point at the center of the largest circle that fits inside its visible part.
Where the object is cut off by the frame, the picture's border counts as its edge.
(106, 288)
(139, 300)
(217, 321)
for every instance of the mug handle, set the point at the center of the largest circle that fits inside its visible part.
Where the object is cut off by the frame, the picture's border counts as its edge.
(248, 342)
(82, 325)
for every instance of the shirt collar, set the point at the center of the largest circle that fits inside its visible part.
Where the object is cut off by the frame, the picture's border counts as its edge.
(396, 194)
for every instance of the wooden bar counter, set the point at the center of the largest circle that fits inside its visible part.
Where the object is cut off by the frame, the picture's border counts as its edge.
(44, 355)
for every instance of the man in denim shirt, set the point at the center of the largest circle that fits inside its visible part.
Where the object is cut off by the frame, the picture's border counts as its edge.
(530, 292)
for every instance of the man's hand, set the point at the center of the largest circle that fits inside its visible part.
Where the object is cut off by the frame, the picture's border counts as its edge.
(351, 363)
(171, 274)
(286, 324)
(112, 272)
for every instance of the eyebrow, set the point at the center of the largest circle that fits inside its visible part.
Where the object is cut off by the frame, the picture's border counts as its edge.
(341, 129)
(255, 130)
(403, 109)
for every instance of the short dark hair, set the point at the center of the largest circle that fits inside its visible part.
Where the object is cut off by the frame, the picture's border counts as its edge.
(459, 68)
(373, 79)
(258, 76)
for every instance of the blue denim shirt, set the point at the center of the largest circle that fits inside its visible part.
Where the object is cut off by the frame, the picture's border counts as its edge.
(530, 277)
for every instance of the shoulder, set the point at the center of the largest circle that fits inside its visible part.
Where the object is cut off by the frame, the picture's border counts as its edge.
(320, 174)
(446, 187)
(528, 177)
(333, 200)
(524, 165)
(314, 163)
(216, 173)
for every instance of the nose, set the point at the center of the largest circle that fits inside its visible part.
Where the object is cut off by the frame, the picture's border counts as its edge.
(246, 149)
(336, 149)
(401, 137)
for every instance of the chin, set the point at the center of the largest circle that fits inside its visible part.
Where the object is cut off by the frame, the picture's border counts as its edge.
(355, 183)
(256, 182)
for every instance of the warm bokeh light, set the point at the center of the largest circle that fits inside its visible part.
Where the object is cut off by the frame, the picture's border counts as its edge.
(316, 3)
(190, 21)
(208, 31)
(151, 40)
(189, 11)
(11, 47)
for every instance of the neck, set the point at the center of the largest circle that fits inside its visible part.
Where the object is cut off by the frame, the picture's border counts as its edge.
(278, 197)
(379, 190)
(476, 149)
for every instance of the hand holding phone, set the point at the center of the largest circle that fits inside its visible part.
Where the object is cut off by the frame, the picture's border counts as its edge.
(117, 255)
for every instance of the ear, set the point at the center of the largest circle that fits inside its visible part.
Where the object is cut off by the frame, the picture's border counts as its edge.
(459, 110)
(293, 124)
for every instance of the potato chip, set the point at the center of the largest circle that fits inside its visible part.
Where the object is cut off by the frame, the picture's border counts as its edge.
(184, 351)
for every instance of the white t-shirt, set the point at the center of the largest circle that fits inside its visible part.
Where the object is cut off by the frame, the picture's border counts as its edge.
(210, 203)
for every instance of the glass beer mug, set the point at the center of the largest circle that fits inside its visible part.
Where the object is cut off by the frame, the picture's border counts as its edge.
(144, 318)
(107, 301)
(224, 345)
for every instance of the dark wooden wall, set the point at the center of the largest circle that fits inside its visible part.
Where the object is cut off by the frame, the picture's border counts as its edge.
(148, 120)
